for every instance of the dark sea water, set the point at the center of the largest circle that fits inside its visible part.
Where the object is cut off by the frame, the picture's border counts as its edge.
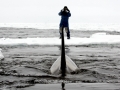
(27, 65)
(6, 32)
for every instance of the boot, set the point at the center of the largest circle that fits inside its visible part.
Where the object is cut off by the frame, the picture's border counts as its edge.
(68, 35)
(60, 36)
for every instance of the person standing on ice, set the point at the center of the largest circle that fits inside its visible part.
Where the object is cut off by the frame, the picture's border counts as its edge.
(65, 14)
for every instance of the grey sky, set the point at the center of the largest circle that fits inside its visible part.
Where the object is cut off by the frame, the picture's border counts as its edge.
(37, 11)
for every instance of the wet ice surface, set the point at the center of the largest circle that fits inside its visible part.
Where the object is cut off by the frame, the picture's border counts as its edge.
(28, 65)
(25, 66)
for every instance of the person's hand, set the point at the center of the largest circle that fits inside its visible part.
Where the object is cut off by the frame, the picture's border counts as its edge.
(62, 10)
(68, 10)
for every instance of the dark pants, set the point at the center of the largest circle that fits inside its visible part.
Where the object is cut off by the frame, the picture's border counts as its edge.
(67, 31)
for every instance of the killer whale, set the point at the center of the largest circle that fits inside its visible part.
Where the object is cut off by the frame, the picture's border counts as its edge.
(63, 64)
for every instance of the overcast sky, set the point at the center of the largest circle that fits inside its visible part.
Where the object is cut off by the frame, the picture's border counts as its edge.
(37, 11)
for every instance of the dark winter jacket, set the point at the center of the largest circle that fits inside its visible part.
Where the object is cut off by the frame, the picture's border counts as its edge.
(64, 18)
